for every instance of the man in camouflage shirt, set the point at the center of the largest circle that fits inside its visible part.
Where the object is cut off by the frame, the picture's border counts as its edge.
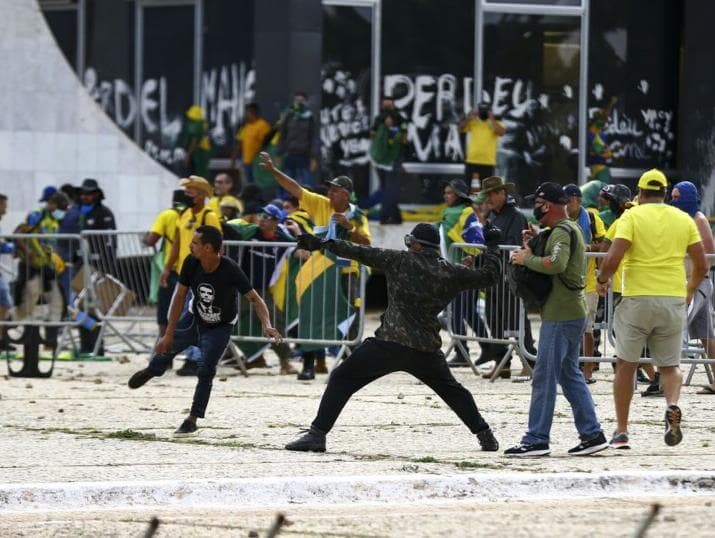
(420, 284)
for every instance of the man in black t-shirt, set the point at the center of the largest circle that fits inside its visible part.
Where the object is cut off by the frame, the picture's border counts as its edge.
(215, 281)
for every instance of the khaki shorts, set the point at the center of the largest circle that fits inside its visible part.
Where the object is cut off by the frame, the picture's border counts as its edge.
(653, 321)
(591, 309)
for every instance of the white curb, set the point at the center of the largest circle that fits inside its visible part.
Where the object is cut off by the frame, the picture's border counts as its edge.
(264, 492)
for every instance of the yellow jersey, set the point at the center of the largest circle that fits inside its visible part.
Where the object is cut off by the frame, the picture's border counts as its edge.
(659, 235)
(598, 234)
(165, 226)
(481, 142)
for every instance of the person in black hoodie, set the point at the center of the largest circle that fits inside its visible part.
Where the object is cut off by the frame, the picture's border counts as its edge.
(501, 306)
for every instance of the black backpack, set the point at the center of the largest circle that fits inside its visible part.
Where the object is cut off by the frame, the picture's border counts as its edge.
(531, 286)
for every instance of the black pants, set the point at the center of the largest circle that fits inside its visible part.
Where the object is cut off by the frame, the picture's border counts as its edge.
(375, 358)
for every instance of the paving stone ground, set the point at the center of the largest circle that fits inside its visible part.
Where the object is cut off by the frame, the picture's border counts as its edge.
(84, 424)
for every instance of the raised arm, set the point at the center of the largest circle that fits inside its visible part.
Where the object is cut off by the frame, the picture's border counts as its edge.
(288, 183)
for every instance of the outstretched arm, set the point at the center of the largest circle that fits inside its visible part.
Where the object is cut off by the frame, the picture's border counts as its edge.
(379, 258)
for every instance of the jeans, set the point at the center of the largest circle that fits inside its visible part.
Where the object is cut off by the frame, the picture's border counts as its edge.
(211, 340)
(557, 362)
(375, 358)
(390, 187)
(298, 167)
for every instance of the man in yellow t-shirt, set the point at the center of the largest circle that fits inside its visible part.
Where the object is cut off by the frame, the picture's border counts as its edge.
(196, 190)
(250, 139)
(164, 227)
(652, 240)
(483, 132)
(223, 187)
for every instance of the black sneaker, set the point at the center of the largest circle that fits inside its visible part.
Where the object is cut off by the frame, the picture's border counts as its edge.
(307, 373)
(140, 378)
(487, 440)
(313, 440)
(523, 450)
(653, 390)
(190, 368)
(187, 428)
(591, 446)
(673, 433)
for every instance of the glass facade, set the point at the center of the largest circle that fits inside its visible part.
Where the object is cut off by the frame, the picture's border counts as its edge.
(531, 81)
(346, 80)
(530, 77)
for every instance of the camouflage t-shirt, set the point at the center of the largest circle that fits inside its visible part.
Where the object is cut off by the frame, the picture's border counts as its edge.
(419, 286)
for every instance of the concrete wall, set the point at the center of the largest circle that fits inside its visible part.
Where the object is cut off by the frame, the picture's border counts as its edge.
(52, 132)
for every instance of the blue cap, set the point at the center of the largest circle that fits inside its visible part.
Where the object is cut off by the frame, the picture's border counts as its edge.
(47, 192)
(572, 190)
(274, 212)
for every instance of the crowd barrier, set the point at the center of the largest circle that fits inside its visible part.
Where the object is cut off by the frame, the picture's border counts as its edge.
(496, 316)
(104, 283)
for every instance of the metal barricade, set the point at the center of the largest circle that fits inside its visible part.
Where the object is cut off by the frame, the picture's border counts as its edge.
(120, 272)
(472, 314)
(39, 274)
(493, 317)
(314, 299)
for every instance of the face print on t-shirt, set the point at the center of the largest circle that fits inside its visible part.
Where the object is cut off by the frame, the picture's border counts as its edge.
(208, 312)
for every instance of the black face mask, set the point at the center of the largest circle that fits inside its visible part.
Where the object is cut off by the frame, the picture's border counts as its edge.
(615, 207)
(483, 115)
(539, 213)
(190, 202)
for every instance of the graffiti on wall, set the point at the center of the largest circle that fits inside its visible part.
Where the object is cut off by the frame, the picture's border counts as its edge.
(344, 118)
(225, 90)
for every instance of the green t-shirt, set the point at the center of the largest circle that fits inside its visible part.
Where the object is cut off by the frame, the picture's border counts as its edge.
(563, 304)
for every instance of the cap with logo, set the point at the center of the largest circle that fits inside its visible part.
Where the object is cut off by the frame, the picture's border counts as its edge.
(551, 192)
(344, 182)
(273, 212)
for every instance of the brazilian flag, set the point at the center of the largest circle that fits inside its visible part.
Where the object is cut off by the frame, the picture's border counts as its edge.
(324, 312)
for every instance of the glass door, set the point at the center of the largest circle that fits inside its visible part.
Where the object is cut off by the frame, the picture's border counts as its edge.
(349, 88)
(530, 69)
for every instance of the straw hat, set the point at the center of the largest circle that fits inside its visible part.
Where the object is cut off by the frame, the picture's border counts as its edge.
(197, 182)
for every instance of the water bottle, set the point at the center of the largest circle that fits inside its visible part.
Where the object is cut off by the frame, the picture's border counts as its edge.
(82, 318)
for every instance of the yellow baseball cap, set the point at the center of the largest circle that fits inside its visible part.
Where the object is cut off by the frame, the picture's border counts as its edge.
(653, 180)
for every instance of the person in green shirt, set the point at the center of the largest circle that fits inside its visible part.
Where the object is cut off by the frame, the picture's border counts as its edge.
(563, 320)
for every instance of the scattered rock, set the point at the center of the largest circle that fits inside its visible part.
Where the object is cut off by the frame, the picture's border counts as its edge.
(40, 417)
(400, 396)
(28, 386)
(60, 410)
(32, 401)
(224, 378)
(98, 381)
(428, 397)
(669, 519)
(80, 365)
(123, 359)
(80, 374)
